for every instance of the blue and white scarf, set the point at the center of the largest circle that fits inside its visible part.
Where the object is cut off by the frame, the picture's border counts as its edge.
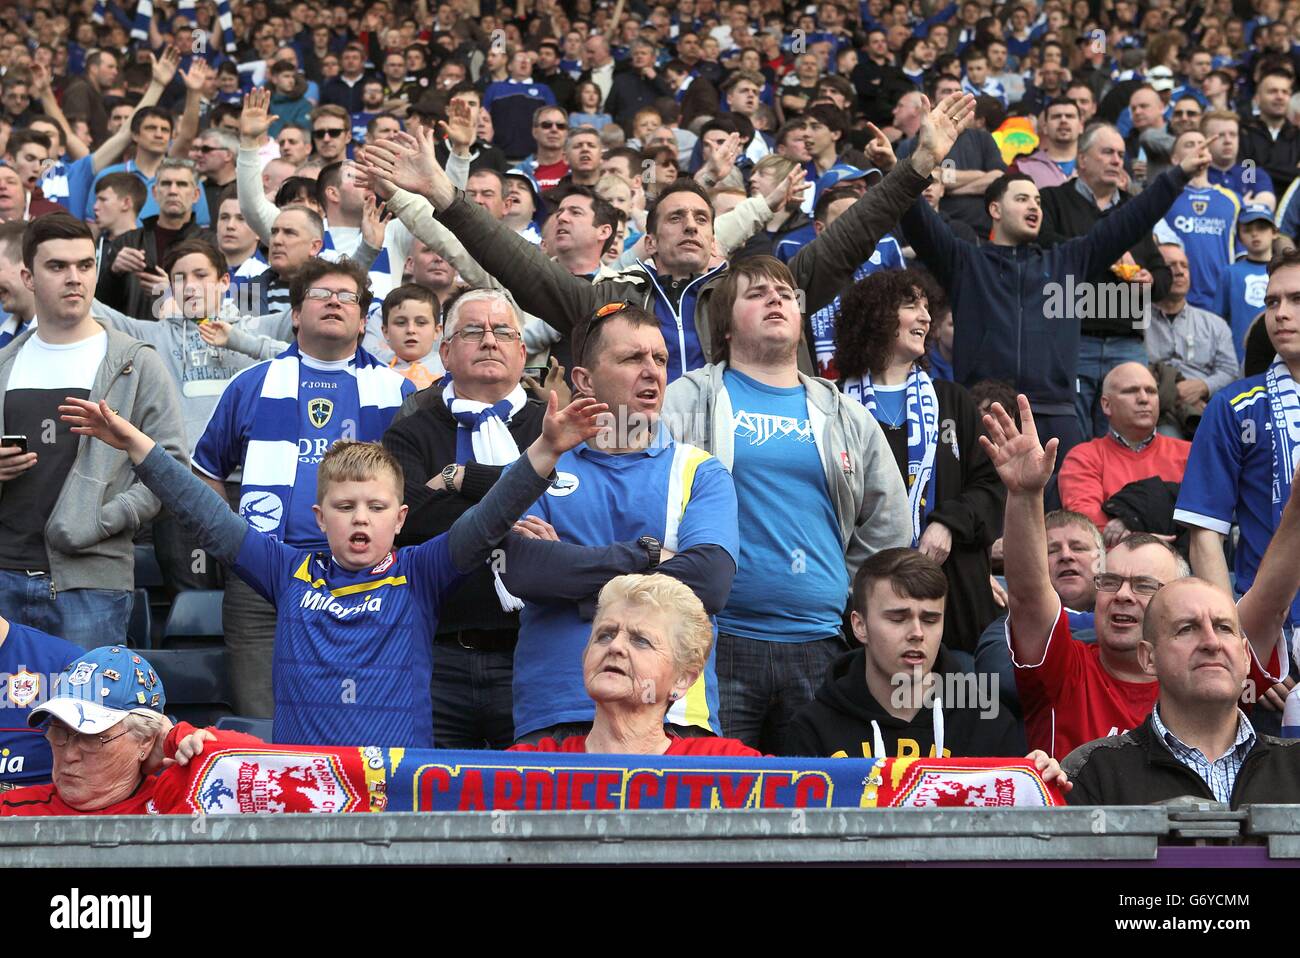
(271, 459)
(922, 407)
(483, 437)
(1284, 405)
(10, 329)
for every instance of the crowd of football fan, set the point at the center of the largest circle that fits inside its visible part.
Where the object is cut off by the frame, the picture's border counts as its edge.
(702, 377)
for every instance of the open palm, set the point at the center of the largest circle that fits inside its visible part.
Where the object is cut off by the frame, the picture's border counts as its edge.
(256, 118)
(1021, 461)
(577, 422)
(99, 420)
(941, 126)
(404, 160)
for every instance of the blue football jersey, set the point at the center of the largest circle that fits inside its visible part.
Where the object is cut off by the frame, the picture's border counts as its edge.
(1204, 221)
(30, 661)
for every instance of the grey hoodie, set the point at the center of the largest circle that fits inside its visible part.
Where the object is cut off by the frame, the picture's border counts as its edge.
(867, 491)
(88, 535)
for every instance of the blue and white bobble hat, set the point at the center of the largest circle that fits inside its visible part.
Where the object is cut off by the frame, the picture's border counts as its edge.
(100, 688)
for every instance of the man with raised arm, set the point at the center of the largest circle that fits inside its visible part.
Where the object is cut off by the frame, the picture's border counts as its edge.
(677, 283)
(1073, 692)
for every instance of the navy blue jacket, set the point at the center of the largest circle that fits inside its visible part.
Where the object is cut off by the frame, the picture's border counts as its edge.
(1000, 294)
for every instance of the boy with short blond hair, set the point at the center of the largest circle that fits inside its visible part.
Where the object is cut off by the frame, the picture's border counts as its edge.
(354, 622)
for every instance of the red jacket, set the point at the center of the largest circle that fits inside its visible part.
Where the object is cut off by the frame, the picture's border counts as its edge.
(679, 746)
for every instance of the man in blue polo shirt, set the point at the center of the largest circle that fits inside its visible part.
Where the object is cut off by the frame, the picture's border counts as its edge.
(1247, 448)
(512, 103)
(632, 484)
(29, 659)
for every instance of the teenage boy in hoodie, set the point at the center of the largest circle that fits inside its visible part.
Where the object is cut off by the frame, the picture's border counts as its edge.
(884, 699)
(289, 101)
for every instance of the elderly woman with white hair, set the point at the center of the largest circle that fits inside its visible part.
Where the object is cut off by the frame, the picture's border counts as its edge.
(109, 737)
(650, 640)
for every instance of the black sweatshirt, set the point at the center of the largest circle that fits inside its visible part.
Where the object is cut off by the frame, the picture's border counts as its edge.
(837, 723)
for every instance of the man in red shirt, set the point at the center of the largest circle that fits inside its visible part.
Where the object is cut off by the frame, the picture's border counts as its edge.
(1073, 692)
(1130, 450)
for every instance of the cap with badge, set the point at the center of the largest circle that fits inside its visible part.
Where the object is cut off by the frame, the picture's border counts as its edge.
(100, 688)
(841, 173)
(1252, 212)
(519, 173)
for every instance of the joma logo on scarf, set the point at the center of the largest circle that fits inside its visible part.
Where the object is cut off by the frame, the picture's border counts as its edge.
(324, 602)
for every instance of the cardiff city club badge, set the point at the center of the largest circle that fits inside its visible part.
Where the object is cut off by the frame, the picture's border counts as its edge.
(23, 689)
(1200, 206)
(319, 412)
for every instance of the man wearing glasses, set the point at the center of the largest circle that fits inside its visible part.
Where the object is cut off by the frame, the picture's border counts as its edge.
(331, 132)
(454, 441)
(548, 165)
(214, 154)
(1072, 692)
(275, 421)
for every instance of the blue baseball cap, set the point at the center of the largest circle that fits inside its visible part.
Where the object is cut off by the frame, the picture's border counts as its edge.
(520, 173)
(1252, 212)
(840, 173)
(100, 688)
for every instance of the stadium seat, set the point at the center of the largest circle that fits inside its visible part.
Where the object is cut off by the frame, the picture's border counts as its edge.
(195, 680)
(148, 573)
(139, 631)
(194, 620)
(260, 727)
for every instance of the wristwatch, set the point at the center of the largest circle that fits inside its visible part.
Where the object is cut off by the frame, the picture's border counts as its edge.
(652, 547)
(449, 477)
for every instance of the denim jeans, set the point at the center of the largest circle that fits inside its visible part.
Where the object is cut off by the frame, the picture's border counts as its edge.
(761, 685)
(88, 617)
(472, 697)
(249, 623)
(1098, 355)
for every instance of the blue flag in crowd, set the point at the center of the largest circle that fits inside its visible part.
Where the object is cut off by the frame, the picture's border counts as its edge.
(143, 17)
(227, 25)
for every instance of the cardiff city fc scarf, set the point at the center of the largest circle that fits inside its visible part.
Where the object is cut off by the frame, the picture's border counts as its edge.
(483, 437)
(1284, 405)
(271, 461)
(242, 778)
(922, 439)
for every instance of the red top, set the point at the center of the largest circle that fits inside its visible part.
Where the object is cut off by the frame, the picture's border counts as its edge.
(678, 746)
(1069, 698)
(548, 175)
(163, 793)
(1096, 470)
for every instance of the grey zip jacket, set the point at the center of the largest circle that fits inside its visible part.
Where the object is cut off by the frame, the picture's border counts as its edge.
(89, 534)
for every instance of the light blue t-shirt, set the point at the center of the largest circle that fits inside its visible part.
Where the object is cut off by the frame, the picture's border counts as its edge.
(1241, 298)
(791, 583)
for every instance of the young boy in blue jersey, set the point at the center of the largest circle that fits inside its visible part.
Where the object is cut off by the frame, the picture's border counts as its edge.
(1241, 293)
(355, 622)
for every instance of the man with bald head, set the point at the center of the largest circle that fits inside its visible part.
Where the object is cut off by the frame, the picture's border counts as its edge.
(1197, 740)
(1130, 451)
(1071, 692)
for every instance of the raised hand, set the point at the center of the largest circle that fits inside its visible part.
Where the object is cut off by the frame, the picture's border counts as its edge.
(215, 332)
(40, 81)
(165, 67)
(198, 75)
(564, 428)
(103, 423)
(373, 221)
(1022, 463)
(940, 128)
(409, 162)
(879, 150)
(723, 157)
(461, 126)
(256, 117)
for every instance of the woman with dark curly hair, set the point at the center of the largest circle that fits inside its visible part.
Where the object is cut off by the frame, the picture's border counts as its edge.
(932, 427)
